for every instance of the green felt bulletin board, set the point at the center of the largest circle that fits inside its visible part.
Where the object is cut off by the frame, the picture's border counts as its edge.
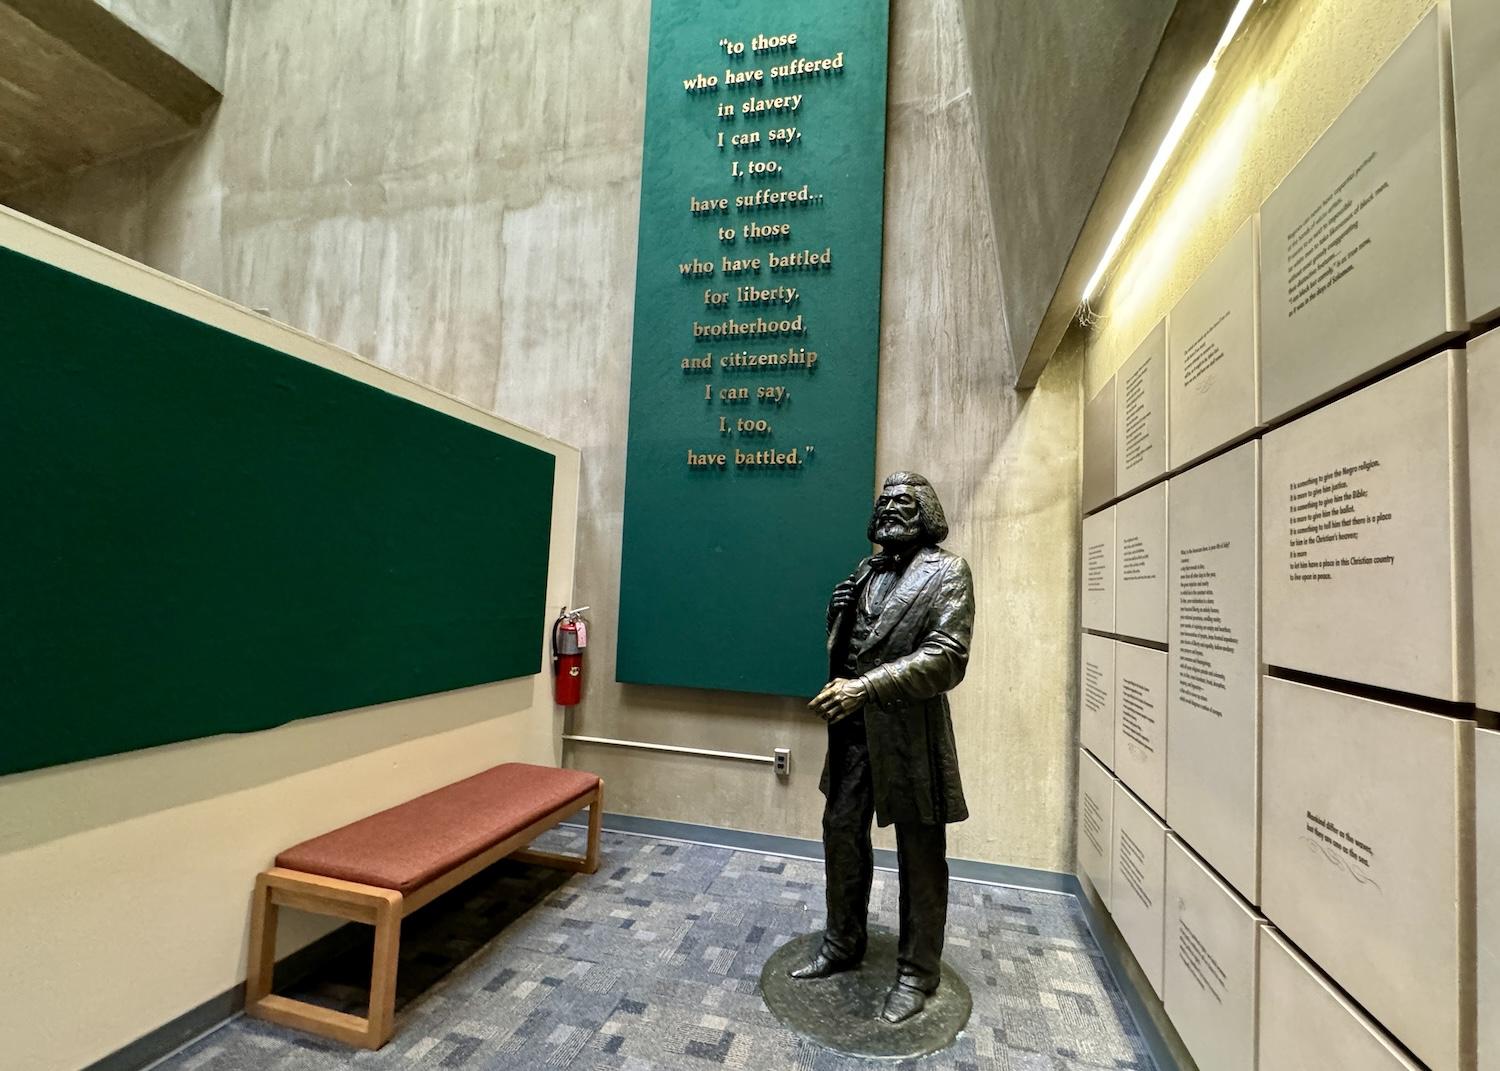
(727, 566)
(204, 535)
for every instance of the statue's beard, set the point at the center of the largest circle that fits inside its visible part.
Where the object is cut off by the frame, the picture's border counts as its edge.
(894, 532)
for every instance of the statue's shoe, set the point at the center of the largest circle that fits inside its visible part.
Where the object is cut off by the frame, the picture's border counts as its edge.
(902, 1002)
(821, 966)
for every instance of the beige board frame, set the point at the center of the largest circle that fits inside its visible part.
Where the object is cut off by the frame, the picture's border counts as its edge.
(1096, 822)
(1097, 577)
(1476, 43)
(1365, 537)
(1141, 726)
(1360, 264)
(1099, 448)
(1487, 888)
(1367, 857)
(1213, 352)
(1141, 413)
(1484, 494)
(1214, 664)
(1141, 565)
(1097, 697)
(1211, 969)
(1307, 1024)
(1138, 876)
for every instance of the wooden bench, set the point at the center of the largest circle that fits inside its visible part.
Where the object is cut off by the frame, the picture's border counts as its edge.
(382, 868)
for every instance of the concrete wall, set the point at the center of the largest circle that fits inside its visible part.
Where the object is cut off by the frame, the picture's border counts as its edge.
(82, 85)
(1053, 85)
(1295, 68)
(125, 881)
(452, 191)
(193, 32)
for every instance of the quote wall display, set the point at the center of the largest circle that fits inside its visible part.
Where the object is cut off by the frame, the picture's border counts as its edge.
(1096, 695)
(1141, 414)
(1141, 565)
(1096, 822)
(1362, 575)
(1487, 868)
(1213, 360)
(1138, 878)
(1213, 664)
(1210, 965)
(1308, 1025)
(1098, 578)
(1141, 728)
(1367, 835)
(1476, 43)
(750, 458)
(1484, 481)
(1099, 448)
(1359, 244)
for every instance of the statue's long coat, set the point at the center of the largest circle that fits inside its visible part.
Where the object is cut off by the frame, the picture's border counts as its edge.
(917, 650)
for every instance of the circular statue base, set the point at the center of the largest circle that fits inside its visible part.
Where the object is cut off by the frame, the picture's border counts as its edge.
(842, 1012)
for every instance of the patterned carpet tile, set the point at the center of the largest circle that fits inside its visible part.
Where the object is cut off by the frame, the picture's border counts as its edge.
(653, 964)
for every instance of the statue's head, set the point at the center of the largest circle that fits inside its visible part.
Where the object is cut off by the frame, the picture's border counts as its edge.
(907, 514)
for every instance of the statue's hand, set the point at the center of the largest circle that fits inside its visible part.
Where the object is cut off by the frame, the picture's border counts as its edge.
(843, 595)
(839, 698)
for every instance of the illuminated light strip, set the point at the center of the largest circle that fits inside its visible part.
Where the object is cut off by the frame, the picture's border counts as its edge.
(1168, 146)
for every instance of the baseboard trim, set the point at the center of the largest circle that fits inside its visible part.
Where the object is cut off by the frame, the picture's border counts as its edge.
(798, 847)
(168, 1038)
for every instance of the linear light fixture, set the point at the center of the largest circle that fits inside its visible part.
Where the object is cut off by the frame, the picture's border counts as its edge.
(1168, 145)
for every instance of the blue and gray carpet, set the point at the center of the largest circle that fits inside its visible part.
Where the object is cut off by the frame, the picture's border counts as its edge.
(653, 964)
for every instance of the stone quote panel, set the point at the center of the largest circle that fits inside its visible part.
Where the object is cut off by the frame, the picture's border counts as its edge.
(1487, 837)
(1308, 1025)
(1141, 414)
(1212, 359)
(1096, 822)
(1476, 43)
(1141, 565)
(1213, 665)
(1359, 243)
(1096, 697)
(1141, 722)
(1099, 448)
(1365, 815)
(1360, 571)
(1211, 956)
(1138, 881)
(1484, 477)
(1098, 578)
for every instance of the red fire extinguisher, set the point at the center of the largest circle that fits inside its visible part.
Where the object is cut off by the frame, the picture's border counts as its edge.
(570, 635)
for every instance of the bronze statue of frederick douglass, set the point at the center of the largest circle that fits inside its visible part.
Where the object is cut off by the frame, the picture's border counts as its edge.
(898, 639)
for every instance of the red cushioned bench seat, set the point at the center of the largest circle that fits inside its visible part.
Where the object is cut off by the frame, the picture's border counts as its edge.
(382, 868)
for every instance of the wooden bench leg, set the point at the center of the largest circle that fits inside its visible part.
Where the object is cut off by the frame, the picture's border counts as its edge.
(383, 973)
(263, 918)
(596, 823)
(381, 908)
(588, 863)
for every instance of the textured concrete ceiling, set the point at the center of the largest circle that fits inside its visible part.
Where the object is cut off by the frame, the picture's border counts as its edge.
(78, 86)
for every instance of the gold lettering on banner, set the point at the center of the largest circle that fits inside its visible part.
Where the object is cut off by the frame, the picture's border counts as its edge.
(778, 303)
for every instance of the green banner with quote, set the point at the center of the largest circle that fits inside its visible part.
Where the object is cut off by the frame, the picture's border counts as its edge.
(750, 461)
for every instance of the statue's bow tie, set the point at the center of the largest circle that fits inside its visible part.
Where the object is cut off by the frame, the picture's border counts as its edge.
(884, 563)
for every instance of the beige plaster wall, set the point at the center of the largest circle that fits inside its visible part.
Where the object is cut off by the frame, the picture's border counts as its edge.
(452, 191)
(125, 881)
(1297, 64)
